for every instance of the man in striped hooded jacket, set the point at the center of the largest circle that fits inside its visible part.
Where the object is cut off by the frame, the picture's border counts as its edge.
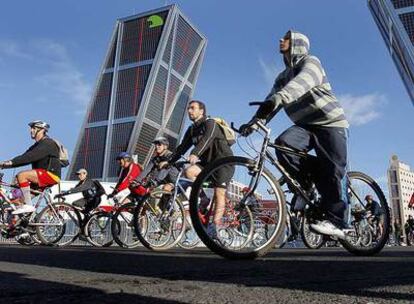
(303, 90)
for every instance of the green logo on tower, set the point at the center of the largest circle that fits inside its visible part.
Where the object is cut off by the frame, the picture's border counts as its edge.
(155, 21)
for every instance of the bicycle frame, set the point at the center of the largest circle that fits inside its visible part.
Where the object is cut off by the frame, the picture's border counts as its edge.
(42, 195)
(266, 154)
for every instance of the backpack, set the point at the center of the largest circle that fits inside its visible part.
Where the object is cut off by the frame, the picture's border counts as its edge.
(227, 131)
(100, 190)
(63, 154)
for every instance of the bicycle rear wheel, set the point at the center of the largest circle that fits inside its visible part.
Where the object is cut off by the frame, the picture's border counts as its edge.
(98, 229)
(311, 239)
(57, 224)
(363, 240)
(252, 222)
(122, 226)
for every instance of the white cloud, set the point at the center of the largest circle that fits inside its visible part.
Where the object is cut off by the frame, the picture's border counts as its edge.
(270, 71)
(360, 110)
(10, 48)
(58, 75)
(62, 77)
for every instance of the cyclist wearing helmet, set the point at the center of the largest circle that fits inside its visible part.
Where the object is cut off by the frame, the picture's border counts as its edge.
(129, 172)
(43, 155)
(375, 211)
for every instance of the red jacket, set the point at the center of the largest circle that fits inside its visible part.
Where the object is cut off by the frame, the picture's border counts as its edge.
(127, 176)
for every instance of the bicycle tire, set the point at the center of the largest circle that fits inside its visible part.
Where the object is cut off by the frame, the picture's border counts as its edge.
(199, 227)
(116, 226)
(309, 243)
(361, 251)
(141, 232)
(91, 236)
(55, 242)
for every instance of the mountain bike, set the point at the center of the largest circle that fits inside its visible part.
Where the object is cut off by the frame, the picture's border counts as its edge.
(253, 173)
(47, 226)
(159, 217)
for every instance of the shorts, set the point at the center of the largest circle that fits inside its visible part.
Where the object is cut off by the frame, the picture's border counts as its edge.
(46, 178)
(221, 177)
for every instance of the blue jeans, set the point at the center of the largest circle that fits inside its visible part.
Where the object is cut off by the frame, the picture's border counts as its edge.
(327, 170)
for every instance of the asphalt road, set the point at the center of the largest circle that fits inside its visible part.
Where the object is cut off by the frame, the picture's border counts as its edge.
(114, 275)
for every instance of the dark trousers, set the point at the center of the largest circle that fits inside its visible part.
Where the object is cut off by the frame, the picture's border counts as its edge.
(327, 170)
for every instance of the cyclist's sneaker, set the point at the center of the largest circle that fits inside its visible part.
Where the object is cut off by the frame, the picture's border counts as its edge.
(24, 209)
(326, 227)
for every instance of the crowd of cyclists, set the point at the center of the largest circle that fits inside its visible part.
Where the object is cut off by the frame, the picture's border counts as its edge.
(302, 89)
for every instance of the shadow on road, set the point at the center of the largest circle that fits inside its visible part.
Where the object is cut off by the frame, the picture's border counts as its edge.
(15, 290)
(331, 271)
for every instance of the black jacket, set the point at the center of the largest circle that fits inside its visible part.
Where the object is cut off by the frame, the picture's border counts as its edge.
(91, 189)
(208, 140)
(158, 175)
(44, 154)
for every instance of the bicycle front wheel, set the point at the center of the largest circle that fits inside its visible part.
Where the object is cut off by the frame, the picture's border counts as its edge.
(98, 229)
(237, 211)
(122, 224)
(57, 224)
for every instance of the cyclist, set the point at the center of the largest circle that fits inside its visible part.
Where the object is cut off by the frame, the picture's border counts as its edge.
(303, 90)
(376, 212)
(129, 172)
(153, 172)
(409, 228)
(43, 155)
(92, 190)
(209, 143)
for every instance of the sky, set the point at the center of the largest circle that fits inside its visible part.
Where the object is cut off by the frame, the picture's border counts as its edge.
(51, 53)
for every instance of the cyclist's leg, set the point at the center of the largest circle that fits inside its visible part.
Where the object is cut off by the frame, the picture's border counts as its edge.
(192, 172)
(80, 203)
(330, 178)
(221, 179)
(25, 178)
(298, 167)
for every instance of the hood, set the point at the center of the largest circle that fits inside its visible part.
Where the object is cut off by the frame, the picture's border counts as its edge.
(299, 48)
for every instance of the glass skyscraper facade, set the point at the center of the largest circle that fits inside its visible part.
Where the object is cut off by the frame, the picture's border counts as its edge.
(145, 84)
(395, 20)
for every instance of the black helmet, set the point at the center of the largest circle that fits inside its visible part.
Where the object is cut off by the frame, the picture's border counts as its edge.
(39, 124)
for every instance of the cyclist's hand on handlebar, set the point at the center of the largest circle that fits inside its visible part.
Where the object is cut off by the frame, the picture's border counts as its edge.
(5, 164)
(61, 194)
(248, 128)
(163, 164)
(193, 159)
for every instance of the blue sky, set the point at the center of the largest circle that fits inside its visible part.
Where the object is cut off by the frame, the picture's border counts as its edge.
(51, 53)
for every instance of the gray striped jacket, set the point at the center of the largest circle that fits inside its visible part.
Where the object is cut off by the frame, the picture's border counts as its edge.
(304, 91)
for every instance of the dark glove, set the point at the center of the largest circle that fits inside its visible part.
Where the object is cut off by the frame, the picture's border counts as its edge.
(135, 183)
(150, 183)
(61, 194)
(246, 129)
(111, 195)
(5, 164)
